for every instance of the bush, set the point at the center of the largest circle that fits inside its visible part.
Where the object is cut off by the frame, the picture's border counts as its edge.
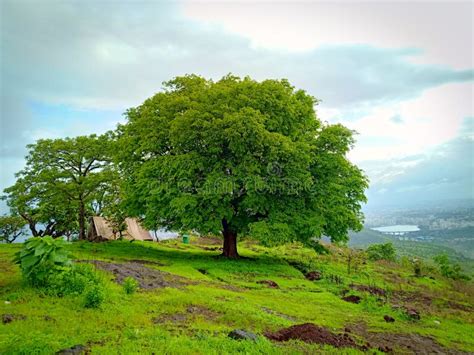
(451, 271)
(72, 281)
(40, 258)
(130, 285)
(94, 296)
(381, 252)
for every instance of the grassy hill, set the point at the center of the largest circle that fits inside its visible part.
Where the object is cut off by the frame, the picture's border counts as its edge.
(190, 299)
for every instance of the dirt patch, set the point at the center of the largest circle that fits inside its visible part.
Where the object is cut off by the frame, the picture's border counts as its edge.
(147, 278)
(269, 283)
(191, 313)
(8, 318)
(311, 333)
(281, 315)
(352, 299)
(411, 297)
(313, 276)
(399, 342)
(144, 262)
(74, 350)
(373, 290)
(459, 306)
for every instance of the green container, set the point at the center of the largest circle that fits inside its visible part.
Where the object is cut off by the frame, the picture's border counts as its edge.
(185, 239)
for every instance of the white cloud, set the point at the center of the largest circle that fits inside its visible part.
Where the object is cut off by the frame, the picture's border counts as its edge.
(442, 29)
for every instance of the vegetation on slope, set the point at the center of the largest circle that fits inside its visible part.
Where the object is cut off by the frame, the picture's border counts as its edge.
(197, 298)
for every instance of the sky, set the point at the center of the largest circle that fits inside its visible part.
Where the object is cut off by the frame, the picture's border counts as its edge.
(399, 73)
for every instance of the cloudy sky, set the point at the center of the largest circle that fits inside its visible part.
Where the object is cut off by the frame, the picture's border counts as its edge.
(399, 73)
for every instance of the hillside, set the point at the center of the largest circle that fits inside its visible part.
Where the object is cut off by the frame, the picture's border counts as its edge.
(451, 247)
(190, 299)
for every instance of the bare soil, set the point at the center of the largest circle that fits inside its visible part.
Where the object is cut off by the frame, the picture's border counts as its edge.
(399, 342)
(352, 299)
(147, 278)
(311, 333)
(373, 290)
(191, 312)
(269, 283)
(8, 318)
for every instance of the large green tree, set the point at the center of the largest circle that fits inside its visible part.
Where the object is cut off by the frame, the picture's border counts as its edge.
(239, 157)
(61, 180)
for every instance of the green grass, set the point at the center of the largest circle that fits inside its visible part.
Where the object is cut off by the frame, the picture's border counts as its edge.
(231, 296)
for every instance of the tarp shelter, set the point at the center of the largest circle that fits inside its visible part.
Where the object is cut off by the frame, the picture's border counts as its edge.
(100, 230)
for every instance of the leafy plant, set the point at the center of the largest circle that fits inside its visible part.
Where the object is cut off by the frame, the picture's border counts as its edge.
(94, 296)
(73, 280)
(40, 258)
(130, 285)
(384, 251)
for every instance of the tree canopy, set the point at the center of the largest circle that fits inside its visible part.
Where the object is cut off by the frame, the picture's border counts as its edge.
(239, 156)
(11, 227)
(61, 180)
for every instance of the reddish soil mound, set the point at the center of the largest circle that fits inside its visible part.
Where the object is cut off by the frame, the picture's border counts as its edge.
(311, 333)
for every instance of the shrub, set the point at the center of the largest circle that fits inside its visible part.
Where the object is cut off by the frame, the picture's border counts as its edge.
(451, 271)
(72, 281)
(417, 265)
(94, 296)
(384, 251)
(40, 258)
(130, 285)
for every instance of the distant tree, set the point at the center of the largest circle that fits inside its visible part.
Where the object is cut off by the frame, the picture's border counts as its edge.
(384, 251)
(449, 270)
(59, 182)
(11, 227)
(239, 157)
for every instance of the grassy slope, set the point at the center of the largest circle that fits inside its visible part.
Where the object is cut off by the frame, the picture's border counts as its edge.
(230, 293)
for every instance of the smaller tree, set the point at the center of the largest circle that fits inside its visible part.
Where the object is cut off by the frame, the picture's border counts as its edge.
(381, 252)
(11, 227)
(451, 271)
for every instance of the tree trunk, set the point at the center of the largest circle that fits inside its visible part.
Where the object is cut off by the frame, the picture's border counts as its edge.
(82, 222)
(230, 241)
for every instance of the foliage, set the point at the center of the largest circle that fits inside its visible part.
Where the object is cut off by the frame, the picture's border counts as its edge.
(94, 296)
(449, 270)
(130, 285)
(72, 281)
(384, 251)
(40, 258)
(239, 157)
(417, 265)
(354, 259)
(61, 178)
(11, 227)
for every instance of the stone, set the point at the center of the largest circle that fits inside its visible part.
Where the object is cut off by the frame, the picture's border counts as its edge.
(74, 350)
(239, 334)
